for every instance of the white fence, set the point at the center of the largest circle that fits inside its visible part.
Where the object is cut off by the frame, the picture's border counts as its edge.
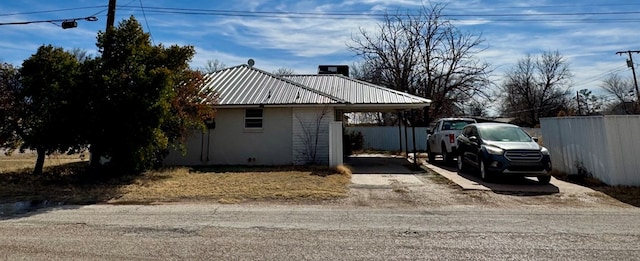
(606, 147)
(387, 137)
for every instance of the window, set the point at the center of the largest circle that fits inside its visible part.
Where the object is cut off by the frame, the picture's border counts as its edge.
(253, 119)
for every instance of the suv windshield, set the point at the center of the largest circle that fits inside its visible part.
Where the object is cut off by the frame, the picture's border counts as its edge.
(455, 124)
(503, 133)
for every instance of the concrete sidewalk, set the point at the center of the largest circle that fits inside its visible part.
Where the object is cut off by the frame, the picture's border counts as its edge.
(381, 171)
(470, 181)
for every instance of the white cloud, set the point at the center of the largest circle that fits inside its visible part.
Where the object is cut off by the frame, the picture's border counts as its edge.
(300, 37)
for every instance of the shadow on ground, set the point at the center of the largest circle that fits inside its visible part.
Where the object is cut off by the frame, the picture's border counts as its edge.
(381, 164)
(510, 185)
(23, 194)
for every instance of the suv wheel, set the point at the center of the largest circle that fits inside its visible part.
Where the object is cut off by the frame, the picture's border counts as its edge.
(544, 179)
(461, 166)
(484, 173)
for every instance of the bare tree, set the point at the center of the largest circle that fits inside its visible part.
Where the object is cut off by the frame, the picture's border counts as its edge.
(284, 71)
(622, 90)
(588, 103)
(425, 55)
(536, 87)
(313, 128)
(80, 54)
(212, 66)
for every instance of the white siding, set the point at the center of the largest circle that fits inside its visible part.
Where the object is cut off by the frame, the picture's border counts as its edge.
(230, 144)
(311, 134)
(336, 154)
(604, 147)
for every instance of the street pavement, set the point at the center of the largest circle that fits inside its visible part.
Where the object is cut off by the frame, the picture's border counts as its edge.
(314, 232)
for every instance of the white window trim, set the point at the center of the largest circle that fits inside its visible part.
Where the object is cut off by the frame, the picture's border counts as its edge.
(253, 129)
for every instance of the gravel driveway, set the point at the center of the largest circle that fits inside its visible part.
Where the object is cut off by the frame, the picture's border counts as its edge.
(434, 189)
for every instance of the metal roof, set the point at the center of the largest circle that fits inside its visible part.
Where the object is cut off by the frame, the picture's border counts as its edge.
(354, 91)
(246, 85)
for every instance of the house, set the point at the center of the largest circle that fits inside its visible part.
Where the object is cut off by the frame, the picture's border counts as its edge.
(265, 119)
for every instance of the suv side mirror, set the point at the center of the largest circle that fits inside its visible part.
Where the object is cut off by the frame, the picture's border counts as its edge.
(429, 131)
(535, 139)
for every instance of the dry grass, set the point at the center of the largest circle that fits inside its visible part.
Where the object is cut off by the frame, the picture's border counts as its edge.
(626, 194)
(72, 183)
(26, 161)
(182, 184)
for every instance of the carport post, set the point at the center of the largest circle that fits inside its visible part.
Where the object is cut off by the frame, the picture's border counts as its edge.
(400, 129)
(413, 130)
(406, 137)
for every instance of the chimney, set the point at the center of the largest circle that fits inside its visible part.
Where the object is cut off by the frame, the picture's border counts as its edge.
(334, 69)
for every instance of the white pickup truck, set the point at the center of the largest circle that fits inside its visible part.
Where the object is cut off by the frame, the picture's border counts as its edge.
(441, 139)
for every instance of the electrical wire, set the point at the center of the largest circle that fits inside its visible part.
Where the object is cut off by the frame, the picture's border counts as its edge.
(56, 10)
(146, 22)
(560, 17)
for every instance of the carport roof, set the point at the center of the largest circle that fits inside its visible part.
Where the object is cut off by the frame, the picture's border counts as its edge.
(244, 85)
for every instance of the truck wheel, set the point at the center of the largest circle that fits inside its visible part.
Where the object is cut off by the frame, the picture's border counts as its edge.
(430, 156)
(446, 156)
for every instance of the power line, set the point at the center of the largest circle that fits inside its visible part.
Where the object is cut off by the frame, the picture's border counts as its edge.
(599, 76)
(55, 10)
(501, 17)
(146, 21)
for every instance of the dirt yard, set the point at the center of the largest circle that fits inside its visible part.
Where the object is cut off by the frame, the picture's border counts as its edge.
(437, 191)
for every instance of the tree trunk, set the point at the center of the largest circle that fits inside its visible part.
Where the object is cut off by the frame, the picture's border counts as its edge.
(96, 154)
(39, 161)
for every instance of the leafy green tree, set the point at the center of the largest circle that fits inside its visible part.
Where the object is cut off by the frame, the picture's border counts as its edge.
(144, 98)
(50, 117)
(9, 107)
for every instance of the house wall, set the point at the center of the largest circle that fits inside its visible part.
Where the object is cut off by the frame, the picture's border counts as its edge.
(311, 125)
(604, 147)
(230, 144)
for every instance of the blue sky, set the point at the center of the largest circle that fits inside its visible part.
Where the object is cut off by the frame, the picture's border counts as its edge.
(587, 33)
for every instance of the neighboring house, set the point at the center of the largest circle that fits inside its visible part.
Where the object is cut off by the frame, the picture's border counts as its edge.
(264, 119)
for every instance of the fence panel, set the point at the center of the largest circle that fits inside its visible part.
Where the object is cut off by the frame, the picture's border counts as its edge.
(388, 137)
(601, 146)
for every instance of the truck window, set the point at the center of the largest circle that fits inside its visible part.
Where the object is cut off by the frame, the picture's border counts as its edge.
(456, 125)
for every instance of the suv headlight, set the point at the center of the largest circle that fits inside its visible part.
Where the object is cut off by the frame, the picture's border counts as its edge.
(493, 150)
(544, 151)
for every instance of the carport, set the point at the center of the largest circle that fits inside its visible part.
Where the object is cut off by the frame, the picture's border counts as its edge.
(361, 97)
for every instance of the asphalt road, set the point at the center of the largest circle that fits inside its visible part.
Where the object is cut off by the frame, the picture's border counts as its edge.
(295, 232)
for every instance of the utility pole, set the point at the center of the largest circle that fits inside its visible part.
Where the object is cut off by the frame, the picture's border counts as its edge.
(633, 70)
(578, 99)
(111, 14)
(96, 149)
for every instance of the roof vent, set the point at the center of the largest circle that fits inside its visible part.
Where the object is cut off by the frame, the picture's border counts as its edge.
(251, 62)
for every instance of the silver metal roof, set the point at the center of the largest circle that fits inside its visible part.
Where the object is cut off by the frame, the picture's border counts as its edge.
(245, 85)
(355, 91)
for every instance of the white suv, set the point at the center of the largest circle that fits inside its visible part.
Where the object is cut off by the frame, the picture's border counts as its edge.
(441, 139)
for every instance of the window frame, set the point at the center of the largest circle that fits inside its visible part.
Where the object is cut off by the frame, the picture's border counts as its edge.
(248, 117)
